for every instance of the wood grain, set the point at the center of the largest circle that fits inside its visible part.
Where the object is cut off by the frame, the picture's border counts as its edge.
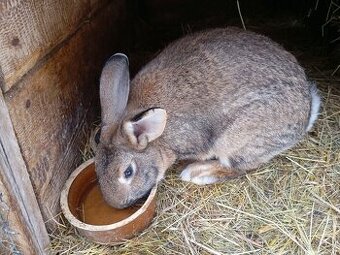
(53, 106)
(25, 223)
(30, 29)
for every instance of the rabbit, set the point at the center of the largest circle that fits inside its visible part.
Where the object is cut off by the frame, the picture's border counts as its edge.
(227, 99)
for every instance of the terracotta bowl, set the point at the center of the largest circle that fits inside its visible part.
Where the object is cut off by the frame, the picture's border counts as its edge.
(76, 188)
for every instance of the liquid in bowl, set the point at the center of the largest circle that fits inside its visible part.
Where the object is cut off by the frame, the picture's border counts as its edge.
(93, 209)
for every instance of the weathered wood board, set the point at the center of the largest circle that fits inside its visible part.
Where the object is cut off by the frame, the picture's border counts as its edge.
(56, 101)
(22, 226)
(30, 29)
(12, 227)
(7, 233)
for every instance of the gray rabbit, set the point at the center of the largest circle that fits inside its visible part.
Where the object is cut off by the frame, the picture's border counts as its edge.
(229, 99)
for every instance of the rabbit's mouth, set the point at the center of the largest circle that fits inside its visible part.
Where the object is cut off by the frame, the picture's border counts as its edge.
(146, 195)
(139, 201)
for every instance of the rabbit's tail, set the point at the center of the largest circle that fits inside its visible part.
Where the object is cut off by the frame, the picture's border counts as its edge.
(315, 107)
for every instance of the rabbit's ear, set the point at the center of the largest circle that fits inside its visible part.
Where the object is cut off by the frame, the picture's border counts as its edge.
(114, 92)
(145, 127)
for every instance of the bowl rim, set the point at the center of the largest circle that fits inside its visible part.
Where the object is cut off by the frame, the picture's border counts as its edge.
(85, 226)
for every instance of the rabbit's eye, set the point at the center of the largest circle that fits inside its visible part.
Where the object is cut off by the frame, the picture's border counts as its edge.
(128, 172)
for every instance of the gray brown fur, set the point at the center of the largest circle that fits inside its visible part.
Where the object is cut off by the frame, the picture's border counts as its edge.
(233, 100)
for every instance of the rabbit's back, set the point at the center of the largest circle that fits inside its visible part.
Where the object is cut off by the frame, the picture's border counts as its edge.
(220, 65)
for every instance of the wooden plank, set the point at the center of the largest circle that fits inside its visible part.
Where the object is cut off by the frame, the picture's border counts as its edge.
(53, 105)
(23, 226)
(7, 243)
(13, 236)
(30, 29)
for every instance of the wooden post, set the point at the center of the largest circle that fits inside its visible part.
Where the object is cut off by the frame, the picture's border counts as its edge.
(23, 228)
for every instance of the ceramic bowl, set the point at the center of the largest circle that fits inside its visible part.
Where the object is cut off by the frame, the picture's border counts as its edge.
(71, 195)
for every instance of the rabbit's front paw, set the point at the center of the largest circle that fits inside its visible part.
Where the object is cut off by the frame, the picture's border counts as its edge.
(199, 173)
(208, 172)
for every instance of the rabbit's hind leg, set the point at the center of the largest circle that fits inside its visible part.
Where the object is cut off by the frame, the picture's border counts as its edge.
(208, 172)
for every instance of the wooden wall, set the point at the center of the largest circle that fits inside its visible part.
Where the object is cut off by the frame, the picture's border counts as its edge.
(51, 56)
(31, 28)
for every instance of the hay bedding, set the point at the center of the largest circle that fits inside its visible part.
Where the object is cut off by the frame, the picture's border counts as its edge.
(289, 206)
